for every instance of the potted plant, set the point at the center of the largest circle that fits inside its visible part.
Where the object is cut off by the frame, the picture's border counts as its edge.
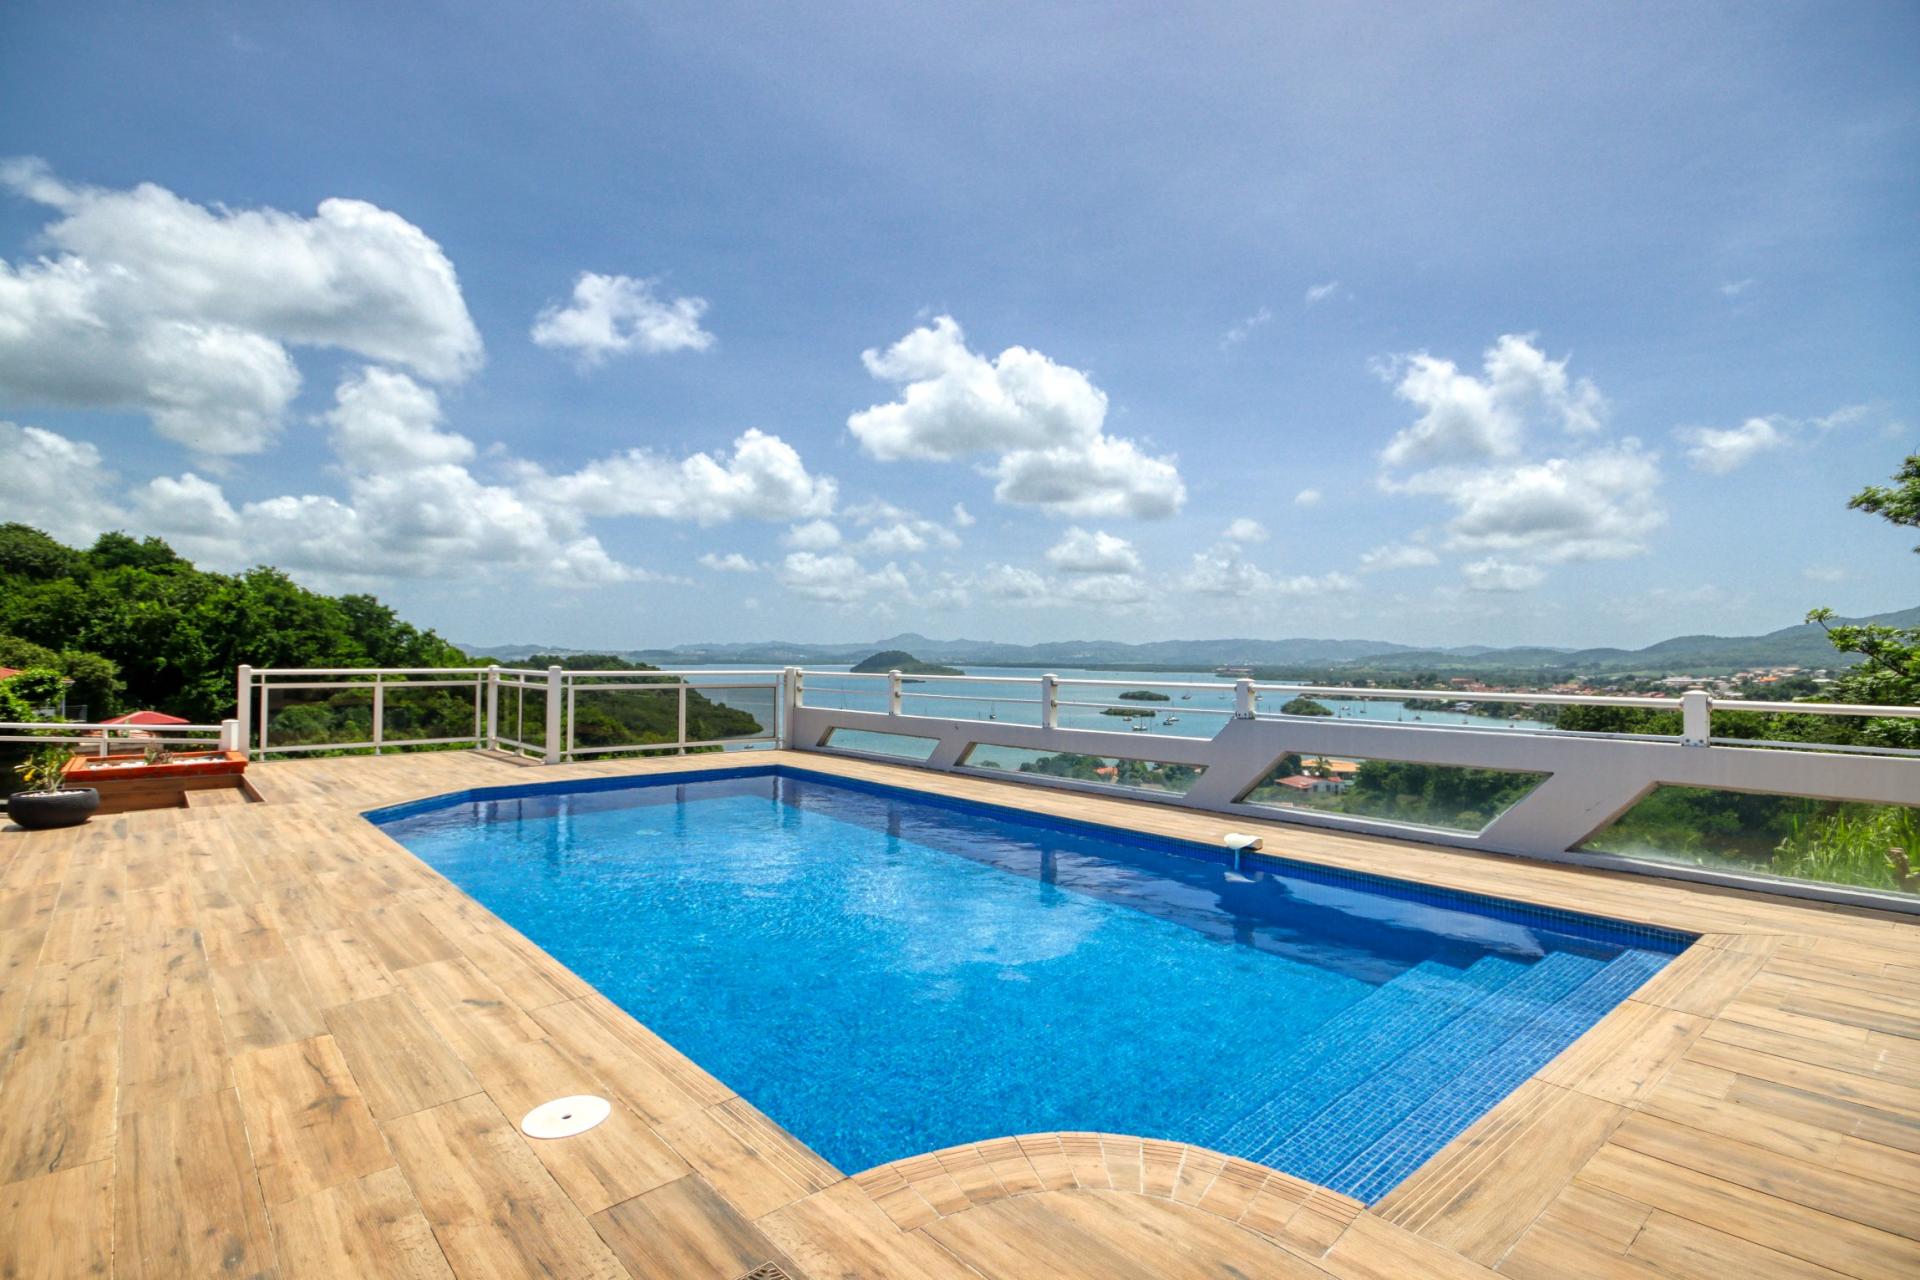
(46, 803)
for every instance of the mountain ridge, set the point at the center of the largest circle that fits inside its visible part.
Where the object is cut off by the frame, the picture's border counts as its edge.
(1803, 644)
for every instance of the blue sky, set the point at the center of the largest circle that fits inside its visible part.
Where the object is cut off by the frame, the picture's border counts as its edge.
(1475, 324)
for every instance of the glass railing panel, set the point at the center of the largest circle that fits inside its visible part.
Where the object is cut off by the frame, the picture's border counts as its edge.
(902, 745)
(1113, 771)
(1869, 846)
(1441, 796)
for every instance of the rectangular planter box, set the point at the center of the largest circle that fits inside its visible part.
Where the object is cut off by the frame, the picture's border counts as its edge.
(127, 782)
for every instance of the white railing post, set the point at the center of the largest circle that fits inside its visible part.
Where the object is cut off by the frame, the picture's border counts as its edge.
(792, 684)
(243, 707)
(493, 708)
(555, 689)
(379, 712)
(1049, 701)
(682, 739)
(232, 736)
(893, 693)
(1243, 702)
(1696, 718)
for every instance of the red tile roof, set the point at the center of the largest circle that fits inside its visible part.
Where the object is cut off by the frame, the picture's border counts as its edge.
(146, 717)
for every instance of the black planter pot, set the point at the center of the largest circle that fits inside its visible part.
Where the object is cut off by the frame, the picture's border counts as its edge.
(45, 810)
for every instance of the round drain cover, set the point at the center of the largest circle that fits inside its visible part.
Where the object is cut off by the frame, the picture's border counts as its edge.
(564, 1117)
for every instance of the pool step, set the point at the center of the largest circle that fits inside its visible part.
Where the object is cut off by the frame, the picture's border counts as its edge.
(1258, 1107)
(1327, 1141)
(1374, 1171)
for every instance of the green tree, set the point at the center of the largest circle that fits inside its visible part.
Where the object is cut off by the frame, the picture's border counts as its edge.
(28, 553)
(1899, 501)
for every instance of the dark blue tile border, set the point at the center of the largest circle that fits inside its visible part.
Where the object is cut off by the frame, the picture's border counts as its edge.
(1593, 928)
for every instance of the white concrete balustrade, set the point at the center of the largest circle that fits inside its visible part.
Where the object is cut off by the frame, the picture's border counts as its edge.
(1588, 779)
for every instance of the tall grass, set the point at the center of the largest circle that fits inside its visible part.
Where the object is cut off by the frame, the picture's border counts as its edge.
(1866, 845)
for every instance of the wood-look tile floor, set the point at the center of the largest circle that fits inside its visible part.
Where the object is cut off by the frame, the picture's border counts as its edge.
(255, 1040)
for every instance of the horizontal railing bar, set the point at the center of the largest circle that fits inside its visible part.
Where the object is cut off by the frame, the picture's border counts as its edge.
(94, 740)
(97, 726)
(965, 697)
(669, 746)
(1656, 701)
(669, 688)
(259, 673)
(1818, 708)
(1215, 686)
(1787, 744)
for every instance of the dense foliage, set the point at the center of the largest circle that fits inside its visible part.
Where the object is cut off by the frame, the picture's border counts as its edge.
(134, 625)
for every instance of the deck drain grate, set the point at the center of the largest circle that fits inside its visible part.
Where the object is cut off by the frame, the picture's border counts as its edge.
(767, 1271)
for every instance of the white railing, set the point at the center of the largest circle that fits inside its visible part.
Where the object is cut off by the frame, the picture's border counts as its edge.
(528, 712)
(1587, 779)
(1220, 741)
(99, 739)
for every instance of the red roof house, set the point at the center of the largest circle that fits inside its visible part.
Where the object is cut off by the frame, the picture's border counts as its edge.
(146, 717)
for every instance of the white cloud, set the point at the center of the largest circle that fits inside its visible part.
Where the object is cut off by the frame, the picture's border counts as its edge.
(1307, 498)
(1471, 439)
(1824, 573)
(838, 578)
(1319, 293)
(1245, 529)
(1501, 575)
(963, 518)
(1045, 421)
(185, 312)
(1221, 572)
(1601, 505)
(731, 562)
(1083, 551)
(814, 535)
(616, 315)
(1012, 584)
(894, 530)
(1467, 418)
(1718, 450)
(1734, 288)
(1240, 332)
(382, 419)
(411, 510)
(1308, 584)
(1102, 590)
(55, 484)
(1396, 556)
(763, 479)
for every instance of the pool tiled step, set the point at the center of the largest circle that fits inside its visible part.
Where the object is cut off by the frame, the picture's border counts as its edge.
(1372, 1172)
(1337, 1056)
(1327, 1141)
(1371, 1093)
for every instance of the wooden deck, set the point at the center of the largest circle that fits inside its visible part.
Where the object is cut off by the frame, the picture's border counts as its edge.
(263, 1039)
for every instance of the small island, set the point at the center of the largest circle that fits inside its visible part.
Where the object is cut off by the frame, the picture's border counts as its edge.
(1128, 711)
(902, 661)
(1145, 695)
(1304, 706)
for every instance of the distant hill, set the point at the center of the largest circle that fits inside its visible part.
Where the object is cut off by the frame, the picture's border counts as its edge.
(900, 660)
(1804, 645)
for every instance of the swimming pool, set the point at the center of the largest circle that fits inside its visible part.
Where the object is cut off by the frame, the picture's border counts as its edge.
(885, 972)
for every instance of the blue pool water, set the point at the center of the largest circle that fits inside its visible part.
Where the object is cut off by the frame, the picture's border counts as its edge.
(886, 973)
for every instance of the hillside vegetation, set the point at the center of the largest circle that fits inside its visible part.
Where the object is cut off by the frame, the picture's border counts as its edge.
(130, 624)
